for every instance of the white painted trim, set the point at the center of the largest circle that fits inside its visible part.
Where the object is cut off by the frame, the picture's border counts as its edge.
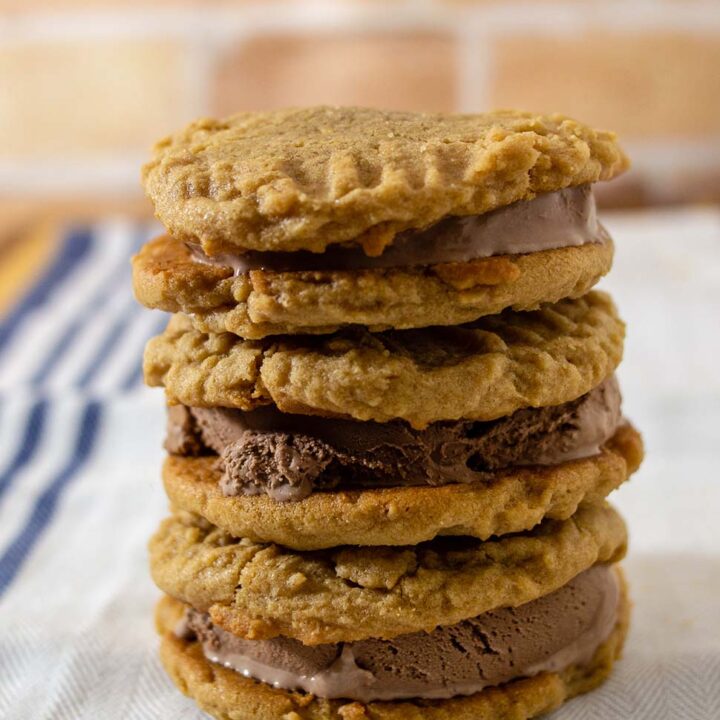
(475, 65)
(94, 176)
(119, 174)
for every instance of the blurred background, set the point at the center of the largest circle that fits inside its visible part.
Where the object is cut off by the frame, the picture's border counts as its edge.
(87, 86)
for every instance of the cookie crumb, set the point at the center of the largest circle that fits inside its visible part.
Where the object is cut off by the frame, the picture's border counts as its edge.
(354, 711)
(296, 580)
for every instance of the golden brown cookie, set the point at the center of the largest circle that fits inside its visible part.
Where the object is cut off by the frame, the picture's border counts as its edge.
(516, 500)
(260, 303)
(227, 695)
(350, 593)
(482, 371)
(307, 178)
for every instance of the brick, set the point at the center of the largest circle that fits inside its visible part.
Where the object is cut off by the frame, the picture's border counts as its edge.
(626, 192)
(76, 98)
(395, 71)
(660, 85)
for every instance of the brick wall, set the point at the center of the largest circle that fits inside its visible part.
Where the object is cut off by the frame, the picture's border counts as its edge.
(86, 86)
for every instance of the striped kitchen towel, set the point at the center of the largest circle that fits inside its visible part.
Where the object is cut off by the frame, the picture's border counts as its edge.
(80, 452)
(80, 493)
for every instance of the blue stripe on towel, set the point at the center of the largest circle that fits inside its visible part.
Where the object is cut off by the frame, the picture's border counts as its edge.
(110, 342)
(37, 418)
(75, 248)
(45, 506)
(96, 305)
(75, 256)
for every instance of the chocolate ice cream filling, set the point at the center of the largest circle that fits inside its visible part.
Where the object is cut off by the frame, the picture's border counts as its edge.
(547, 635)
(552, 220)
(290, 456)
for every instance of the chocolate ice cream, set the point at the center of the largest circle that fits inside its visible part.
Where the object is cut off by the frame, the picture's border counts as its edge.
(563, 218)
(289, 456)
(546, 635)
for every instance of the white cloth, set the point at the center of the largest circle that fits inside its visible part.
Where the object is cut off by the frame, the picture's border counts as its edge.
(80, 491)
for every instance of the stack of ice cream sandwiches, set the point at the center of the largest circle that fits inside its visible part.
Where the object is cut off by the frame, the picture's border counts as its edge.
(393, 419)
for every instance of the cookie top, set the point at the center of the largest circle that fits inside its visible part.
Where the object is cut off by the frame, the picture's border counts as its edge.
(304, 179)
(351, 593)
(480, 371)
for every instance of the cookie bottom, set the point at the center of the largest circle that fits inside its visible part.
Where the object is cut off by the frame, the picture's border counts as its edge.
(515, 500)
(227, 695)
(260, 303)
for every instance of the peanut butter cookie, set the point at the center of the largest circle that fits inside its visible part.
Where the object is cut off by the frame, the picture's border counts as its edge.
(258, 591)
(262, 302)
(304, 179)
(480, 371)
